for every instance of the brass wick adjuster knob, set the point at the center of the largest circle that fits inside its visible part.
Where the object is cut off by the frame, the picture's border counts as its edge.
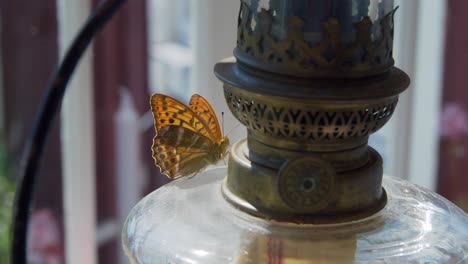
(306, 183)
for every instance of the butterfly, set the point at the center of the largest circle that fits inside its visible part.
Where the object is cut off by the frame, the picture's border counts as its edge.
(188, 139)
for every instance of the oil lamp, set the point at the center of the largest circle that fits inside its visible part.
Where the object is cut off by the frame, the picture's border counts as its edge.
(310, 80)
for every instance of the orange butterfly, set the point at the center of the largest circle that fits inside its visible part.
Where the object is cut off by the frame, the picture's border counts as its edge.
(188, 139)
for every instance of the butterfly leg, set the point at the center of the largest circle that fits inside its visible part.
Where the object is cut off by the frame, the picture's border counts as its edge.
(195, 174)
(224, 159)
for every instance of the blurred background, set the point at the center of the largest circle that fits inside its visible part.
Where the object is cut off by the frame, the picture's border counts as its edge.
(98, 162)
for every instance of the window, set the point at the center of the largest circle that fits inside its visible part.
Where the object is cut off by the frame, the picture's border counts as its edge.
(409, 143)
(98, 157)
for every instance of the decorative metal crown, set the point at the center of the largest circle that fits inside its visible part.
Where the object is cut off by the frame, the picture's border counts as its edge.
(369, 53)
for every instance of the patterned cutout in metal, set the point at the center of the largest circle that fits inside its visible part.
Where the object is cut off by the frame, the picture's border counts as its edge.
(368, 54)
(311, 123)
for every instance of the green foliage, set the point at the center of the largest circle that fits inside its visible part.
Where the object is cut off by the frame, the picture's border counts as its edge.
(7, 188)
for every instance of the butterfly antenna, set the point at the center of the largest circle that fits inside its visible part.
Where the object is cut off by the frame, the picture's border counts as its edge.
(222, 122)
(230, 131)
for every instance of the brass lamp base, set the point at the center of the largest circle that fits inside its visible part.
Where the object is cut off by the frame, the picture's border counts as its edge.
(306, 189)
(306, 158)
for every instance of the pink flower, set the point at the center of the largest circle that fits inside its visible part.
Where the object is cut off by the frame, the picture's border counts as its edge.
(44, 238)
(453, 121)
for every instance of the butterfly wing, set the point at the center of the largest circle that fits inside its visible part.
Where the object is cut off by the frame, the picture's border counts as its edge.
(187, 139)
(204, 111)
(179, 151)
(168, 111)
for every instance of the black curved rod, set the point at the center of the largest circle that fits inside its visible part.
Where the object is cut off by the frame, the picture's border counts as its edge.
(50, 106)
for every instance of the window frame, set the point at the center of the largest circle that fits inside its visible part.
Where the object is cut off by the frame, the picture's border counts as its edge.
(77, 134)
(413, 132)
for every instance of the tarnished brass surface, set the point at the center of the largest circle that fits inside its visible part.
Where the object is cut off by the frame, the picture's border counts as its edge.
(275, 156)
(306, 158)
(367, 55)
(309, 107)
(308, 123)
(262, 83)
(336, 196)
